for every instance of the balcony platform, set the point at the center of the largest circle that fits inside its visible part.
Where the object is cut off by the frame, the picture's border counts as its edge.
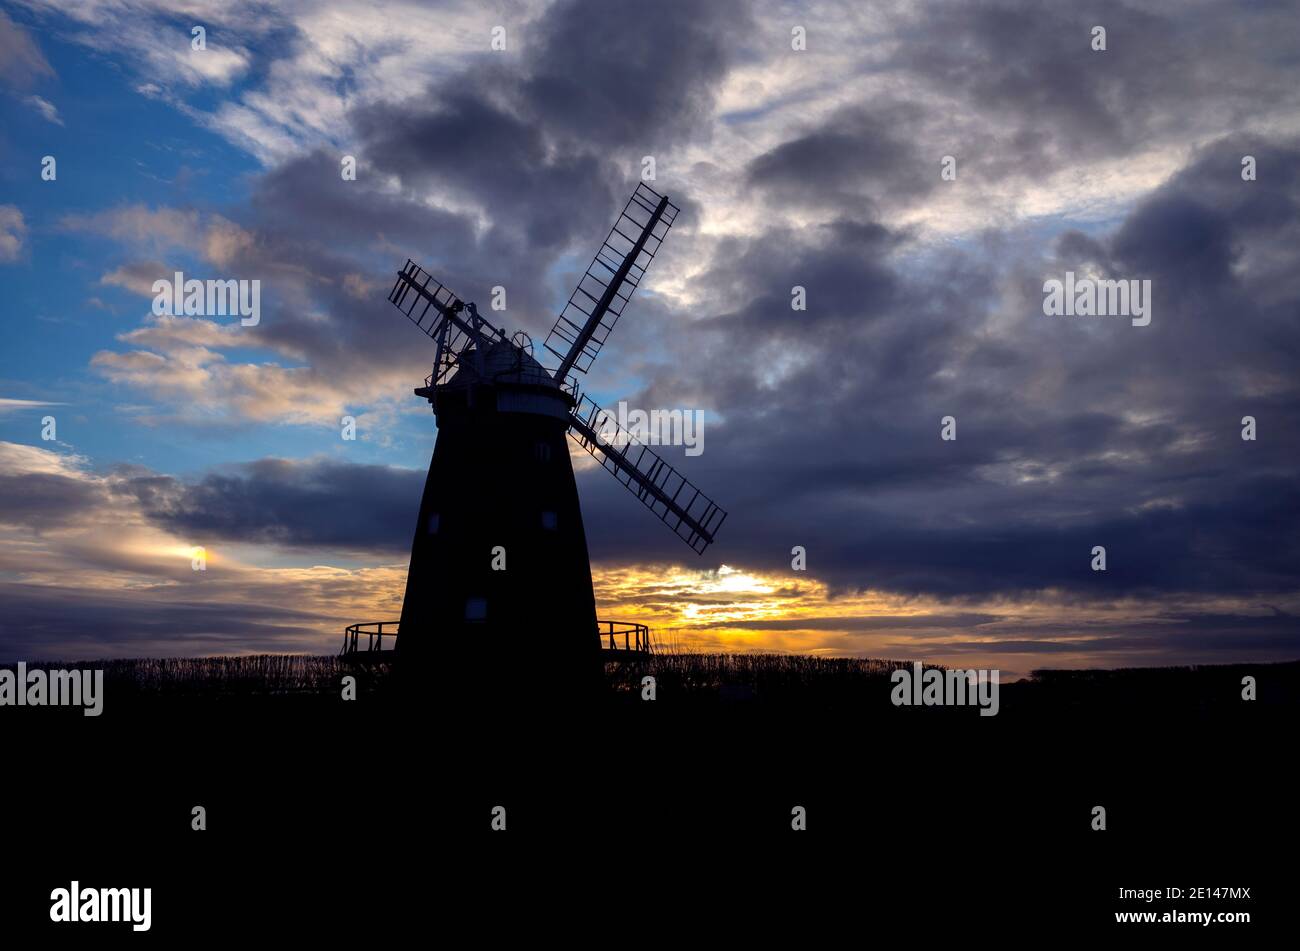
(364, 642)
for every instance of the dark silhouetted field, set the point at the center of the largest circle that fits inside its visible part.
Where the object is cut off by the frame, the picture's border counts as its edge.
(732, 680)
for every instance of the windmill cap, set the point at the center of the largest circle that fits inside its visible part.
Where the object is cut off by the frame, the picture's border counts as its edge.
(503, 363)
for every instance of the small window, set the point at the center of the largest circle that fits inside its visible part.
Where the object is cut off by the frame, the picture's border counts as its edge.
(433, 524)
(543, 451)
(550, 521)
(476, 609)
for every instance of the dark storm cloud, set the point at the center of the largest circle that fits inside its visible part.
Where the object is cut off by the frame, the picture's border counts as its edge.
(860, 158)
(1014, 90)
(1026, 71)
(535, 146)
(1077, 248)
(466, 145)
(1269, 637)
(301, 504)
(41, 500)
(1219, 252)
(1069, 435)
(313, 230)
(1195, 230)
(842, 455)
(1033, 64)
(539, 199)
(842, 268)
(307, 200)
(49, 623)
(826, 432)
(611, 75)
(1178, 237)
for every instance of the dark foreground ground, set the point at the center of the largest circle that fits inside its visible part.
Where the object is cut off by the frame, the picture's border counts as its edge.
(340, 816)
(290, 683)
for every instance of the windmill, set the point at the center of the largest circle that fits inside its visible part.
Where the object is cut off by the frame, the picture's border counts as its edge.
(499, 564)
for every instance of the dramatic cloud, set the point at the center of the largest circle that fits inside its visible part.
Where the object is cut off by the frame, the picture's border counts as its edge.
(129, 539)
(252, 522)
(311, 504)
(832, 417)
(491, 176)
(817, 169)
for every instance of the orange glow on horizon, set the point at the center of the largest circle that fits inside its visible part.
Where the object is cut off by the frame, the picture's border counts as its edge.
(735, 609)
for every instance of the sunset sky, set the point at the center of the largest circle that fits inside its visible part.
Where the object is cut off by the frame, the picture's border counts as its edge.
(817, 167)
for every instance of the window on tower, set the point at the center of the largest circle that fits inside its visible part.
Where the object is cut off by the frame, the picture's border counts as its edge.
(543, 451)
(550, 521)
(476, 609)
(433, 524)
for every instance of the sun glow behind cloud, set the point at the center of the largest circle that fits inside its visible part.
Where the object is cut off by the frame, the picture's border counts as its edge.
(253, 597)
(734, 609)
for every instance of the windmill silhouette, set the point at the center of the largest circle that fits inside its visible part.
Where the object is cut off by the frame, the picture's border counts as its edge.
(499, 565)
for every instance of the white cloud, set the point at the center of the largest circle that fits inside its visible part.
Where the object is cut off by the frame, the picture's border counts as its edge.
(138, 276)
(21, 60)
(178, 360)
(149, 34)
(142, 226)
(161, 230)
(12, 232)
(45, 108)
(322, 58)
(12, 406)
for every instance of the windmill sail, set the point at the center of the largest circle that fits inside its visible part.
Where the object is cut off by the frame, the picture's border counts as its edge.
(680, 505)
(454, 326)
(614, 273)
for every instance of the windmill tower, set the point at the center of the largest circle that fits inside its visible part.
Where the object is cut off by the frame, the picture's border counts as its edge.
(499, 577)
